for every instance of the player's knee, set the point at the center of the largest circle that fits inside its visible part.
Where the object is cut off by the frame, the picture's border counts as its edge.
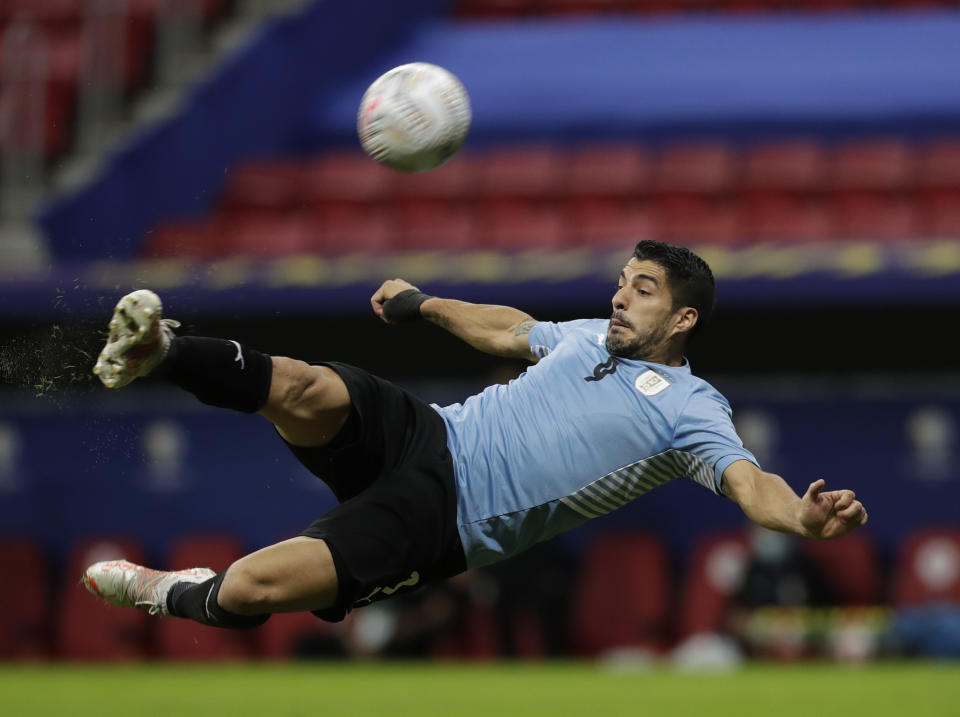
(311, 392)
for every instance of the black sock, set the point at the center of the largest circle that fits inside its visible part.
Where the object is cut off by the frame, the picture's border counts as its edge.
(198, 601)
(219, 372)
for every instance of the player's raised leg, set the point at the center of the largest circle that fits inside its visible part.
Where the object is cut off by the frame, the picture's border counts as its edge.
(308, 404)
(295, 575)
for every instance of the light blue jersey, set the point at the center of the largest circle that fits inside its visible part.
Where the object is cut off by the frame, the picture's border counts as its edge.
(578, 435)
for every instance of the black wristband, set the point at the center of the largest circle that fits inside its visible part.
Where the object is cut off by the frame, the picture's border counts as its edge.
(405, 306)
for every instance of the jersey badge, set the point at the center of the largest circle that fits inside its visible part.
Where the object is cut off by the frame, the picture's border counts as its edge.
(650, 383)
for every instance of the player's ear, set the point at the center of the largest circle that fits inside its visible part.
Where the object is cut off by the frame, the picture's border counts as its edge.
(685, 318)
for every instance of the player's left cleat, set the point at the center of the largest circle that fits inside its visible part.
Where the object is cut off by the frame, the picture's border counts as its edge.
(139, 339)
(127, 584)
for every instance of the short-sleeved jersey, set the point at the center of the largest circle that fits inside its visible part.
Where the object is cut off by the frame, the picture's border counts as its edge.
(578, 435)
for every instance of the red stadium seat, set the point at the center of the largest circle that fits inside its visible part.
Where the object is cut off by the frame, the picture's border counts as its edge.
(610, 222)
(585, 7)
(209, 9)
(269, 184)
(60, 51)
(616, 170)
(677, 6)
(928, 568)
(622, 596)
(699, 219)
(741, 6)
(188, 640)
(918, 4)
(58, 111)
(343, 228)
(524, 172)
(495, 8)
(509, 224)
(264, 233)
(285, 636)
(789, 5)
(477, 640)
(433, 225)
(875, 164)
(45, 11)
(65, 59)
(24, 611)
(716, 570)
(694, 167)
(454, 180)
(347, 176)
(785, 217)
(849, 566)
(938, 164)
(939, 213)
(873, 215)
(88, 629)
(182, 240)
(797, 165)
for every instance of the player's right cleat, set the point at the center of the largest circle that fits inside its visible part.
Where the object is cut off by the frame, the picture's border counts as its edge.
(126, 584)
(139, 339)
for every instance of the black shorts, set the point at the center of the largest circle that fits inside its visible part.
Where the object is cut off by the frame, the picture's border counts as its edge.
(396, 526)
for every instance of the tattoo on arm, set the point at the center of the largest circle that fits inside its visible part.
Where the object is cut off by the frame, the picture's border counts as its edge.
(442, 321)
(524, 327)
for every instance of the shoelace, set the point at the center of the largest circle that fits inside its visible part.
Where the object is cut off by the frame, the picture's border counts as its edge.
(145, 588)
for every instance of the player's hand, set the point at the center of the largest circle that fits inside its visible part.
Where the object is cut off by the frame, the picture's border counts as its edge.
(387, 291)
(830, 514)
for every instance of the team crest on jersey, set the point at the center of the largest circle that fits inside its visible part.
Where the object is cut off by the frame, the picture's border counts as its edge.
(650, 383)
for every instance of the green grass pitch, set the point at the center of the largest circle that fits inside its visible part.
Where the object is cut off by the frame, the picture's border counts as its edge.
(481, 690)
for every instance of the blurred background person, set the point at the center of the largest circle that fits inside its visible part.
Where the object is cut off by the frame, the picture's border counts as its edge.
(778, 575)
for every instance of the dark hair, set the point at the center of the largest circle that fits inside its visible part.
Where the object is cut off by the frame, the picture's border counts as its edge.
(689, 276)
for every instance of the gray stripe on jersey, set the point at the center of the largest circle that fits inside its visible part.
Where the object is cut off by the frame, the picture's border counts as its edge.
(602, 497)
(621, 486)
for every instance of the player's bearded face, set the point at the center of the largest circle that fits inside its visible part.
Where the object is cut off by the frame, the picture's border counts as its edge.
(642, 309)
(632, 343)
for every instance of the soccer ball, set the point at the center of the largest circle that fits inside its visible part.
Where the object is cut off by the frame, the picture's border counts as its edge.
(414, 117)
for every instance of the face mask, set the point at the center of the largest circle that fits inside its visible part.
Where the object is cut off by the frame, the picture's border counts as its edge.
(771, 547)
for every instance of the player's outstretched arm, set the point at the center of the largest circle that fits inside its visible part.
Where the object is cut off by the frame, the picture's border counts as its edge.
(498, 330)
(766, 499)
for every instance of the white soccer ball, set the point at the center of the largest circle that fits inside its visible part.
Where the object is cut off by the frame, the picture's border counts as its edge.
(414, 117)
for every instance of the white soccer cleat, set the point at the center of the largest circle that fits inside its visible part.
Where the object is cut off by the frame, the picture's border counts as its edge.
(126, 584)
(139, 339)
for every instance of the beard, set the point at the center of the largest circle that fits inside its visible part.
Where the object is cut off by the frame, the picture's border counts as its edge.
(632, 344)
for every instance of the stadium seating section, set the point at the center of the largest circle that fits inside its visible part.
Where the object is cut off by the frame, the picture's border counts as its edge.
(627, 574)
(59, 39)
(540, 197)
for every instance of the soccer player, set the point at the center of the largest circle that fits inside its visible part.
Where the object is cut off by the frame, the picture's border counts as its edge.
(608, 411)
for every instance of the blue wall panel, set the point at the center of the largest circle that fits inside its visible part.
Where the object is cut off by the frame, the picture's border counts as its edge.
(82, 470)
